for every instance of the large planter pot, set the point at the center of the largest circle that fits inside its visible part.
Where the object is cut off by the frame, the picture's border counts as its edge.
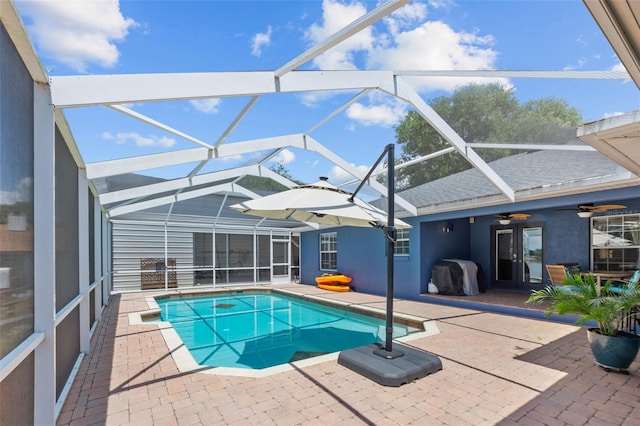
(614, 352)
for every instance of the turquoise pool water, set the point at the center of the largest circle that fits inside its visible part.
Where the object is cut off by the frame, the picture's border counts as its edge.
(263, 330)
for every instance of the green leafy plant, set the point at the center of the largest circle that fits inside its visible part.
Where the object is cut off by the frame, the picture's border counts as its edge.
(607, 305)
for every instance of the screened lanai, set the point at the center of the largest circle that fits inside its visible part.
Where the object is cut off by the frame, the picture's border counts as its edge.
(199, 177)
(86, 211)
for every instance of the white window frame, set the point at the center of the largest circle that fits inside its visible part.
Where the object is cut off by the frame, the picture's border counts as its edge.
(333, 248)
(615, 232)
(402, 236)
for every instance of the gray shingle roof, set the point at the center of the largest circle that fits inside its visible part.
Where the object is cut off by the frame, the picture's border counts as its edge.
(532, 172)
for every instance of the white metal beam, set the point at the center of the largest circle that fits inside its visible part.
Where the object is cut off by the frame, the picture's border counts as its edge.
(146, 162)
(582, 75)
(161, 126)
(236, 121)
(186, 195)
(86, 90)
(172, 158)
(91, 90)
(404, 91)
(531, 146)
(310, 81)
(339, 110)
(314, 145)
(176, 184)
(356, 26)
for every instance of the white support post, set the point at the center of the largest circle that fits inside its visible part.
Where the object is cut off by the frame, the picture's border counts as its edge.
(213, 251)
(83, 260)
(97, 257)
(107, 285)
(166, 260)
(44, 256)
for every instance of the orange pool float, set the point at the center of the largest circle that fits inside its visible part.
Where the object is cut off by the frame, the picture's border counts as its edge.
(334, 282)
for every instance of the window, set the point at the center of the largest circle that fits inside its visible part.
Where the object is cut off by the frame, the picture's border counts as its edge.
(329, 251)
(615, 243)
(402, 242)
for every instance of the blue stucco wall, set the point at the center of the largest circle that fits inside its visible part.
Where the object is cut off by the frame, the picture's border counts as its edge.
(361, 255)
(436, 245)
(361, 251)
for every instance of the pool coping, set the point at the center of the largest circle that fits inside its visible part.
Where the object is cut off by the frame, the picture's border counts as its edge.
(186, 363)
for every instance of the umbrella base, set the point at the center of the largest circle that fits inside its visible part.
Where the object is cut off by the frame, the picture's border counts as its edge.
(412, 365)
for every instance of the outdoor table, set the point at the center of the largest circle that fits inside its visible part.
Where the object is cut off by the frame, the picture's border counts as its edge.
(610, 276)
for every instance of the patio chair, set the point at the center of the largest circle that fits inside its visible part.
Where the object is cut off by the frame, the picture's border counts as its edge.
(631, 323)
(557, 274)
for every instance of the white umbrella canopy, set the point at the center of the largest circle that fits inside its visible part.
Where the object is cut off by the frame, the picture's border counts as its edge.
(320, 202)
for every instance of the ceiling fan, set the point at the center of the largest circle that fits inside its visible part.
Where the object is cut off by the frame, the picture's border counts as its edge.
(587, 210)
(506, 218)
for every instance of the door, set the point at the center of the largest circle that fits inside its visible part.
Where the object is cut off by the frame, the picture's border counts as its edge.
(280, 264)
(516, 261)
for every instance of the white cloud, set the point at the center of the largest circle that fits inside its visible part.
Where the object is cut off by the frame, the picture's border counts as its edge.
(410, 42)
(78, 33)
(434, 45)
(335, 16)
(406, 17)
(618, 67)
(259, 41)
(139, 140)
(207, 106)
(580, 64)
(337, 175)
(383, 114)
(284, 157)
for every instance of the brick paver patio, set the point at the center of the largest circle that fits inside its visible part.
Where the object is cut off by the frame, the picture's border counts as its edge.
(497, 369)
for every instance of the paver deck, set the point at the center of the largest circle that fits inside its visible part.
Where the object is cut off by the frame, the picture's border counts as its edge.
(497, 370)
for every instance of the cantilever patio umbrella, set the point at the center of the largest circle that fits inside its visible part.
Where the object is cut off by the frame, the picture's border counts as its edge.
(320, 202)
(324, 203)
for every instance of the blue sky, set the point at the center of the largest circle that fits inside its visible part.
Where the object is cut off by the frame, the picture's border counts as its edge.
(122, 37)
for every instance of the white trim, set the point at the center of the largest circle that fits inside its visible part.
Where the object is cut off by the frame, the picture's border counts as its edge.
(19, 354)
(67, 386)
(44, 256)
(68, 308)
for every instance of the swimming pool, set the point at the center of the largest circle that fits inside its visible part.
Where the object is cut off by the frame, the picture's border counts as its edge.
(261, 330)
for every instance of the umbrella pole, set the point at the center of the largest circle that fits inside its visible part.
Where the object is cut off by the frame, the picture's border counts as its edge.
(390, 236)
(388, 366)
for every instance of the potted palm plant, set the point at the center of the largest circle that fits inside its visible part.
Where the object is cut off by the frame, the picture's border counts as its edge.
(608, 306)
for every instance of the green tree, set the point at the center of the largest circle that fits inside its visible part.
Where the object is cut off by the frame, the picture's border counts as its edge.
(480, 113)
